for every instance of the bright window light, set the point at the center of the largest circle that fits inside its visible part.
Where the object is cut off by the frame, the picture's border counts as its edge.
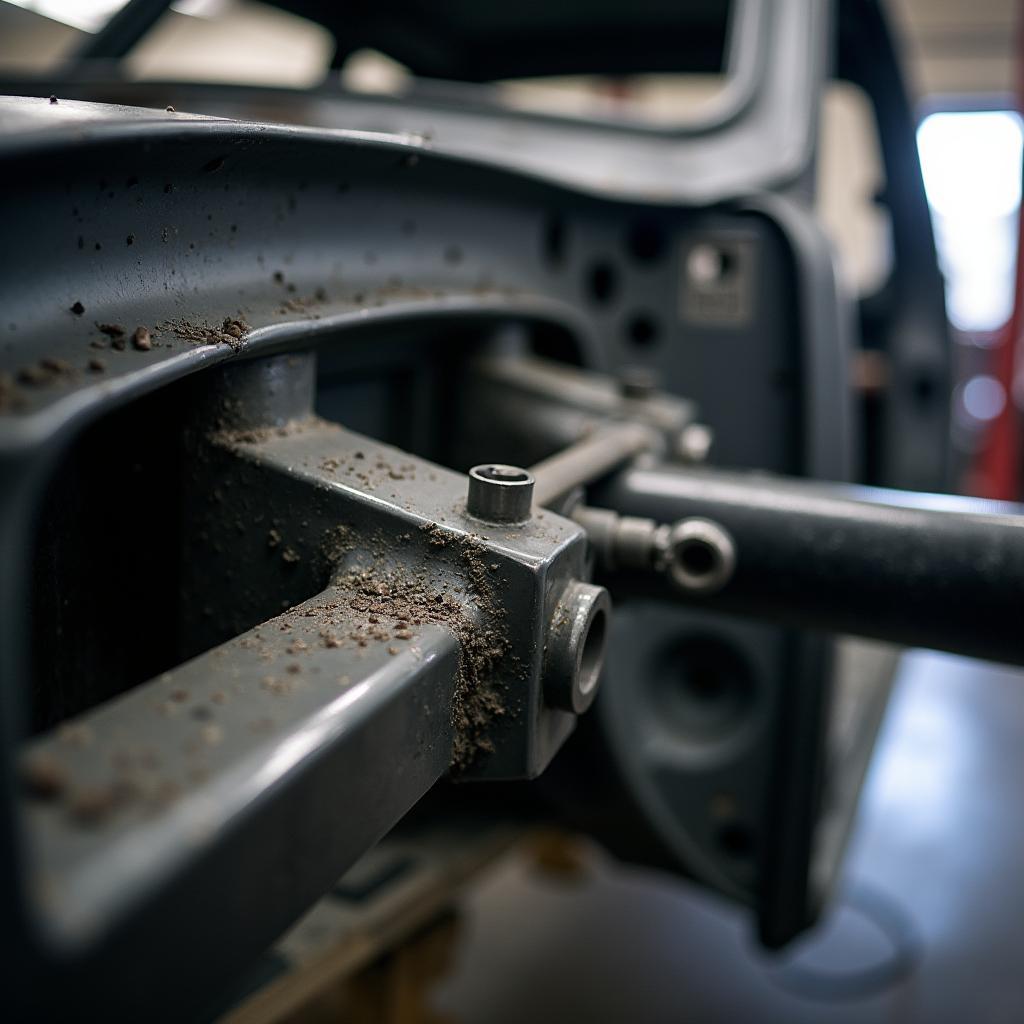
(971, 162)
(92, 15)
(88, 15)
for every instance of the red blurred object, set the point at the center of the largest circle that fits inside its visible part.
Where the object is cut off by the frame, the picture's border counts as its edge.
(998, 471)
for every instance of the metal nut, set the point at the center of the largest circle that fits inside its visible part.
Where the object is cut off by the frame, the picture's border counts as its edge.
(576, 647)
(500, 494)
(700, 555)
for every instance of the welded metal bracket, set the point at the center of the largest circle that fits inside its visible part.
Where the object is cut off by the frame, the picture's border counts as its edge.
(433, 641)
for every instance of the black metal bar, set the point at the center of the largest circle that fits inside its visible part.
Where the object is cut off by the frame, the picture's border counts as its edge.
(923, 570)
(121, 32)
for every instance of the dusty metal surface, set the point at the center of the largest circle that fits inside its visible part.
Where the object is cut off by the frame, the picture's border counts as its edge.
(126, 798)
(399, 531)
(433, 647)
(197, 242)
(762, 132)
(175, 244)
(152, 245)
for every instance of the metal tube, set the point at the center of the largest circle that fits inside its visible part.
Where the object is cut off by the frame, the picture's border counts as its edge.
(918, 569)
(590, 459)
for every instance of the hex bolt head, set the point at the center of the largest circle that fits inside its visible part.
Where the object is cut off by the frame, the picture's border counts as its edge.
(576, 647)
(500, 494)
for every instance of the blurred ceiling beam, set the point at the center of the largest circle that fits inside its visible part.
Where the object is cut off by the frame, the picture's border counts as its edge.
(955, 46)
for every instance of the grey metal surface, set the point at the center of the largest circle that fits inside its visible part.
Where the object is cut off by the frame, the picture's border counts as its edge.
(685, 710)
(763, 134)
(463, 221)
(905, 319)
(591, 458)
(701, 802)
(211, 218)
(510, 575)
(450, 251)
(575, 655)
(553, 411)
(247, 747)
(200, 228)
(700, 555)
(427, 651)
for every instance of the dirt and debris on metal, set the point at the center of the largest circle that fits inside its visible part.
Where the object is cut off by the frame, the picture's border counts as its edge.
(395, 602)
(372, 604)
(231, 331)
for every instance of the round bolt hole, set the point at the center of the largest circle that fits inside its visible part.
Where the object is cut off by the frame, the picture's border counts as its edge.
(554, 241)
(602, 283)
(708, 264)
(503, 474)
(701, 555)
(575, 649)
(698, 557)
(647, 241)
(706, 684)
(642, 330)
(592, 653)
(704, 689)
